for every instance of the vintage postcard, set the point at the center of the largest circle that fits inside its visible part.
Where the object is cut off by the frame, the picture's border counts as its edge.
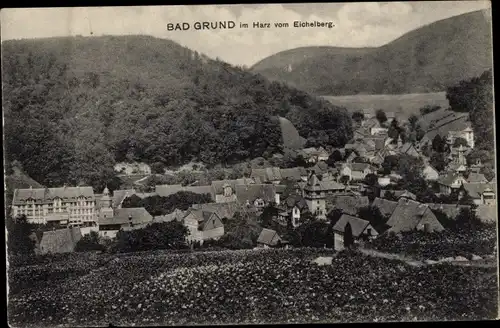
(249, 164)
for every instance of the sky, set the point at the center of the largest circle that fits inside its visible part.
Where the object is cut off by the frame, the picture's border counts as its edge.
(368, 24)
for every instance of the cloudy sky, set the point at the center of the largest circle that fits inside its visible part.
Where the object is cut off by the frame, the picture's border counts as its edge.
(356, 24)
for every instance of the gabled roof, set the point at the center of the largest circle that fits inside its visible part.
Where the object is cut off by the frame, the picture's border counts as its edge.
(202, 216)
(385, 206)
(448, 179)
(252, 192)
(120, 195)
(476, 178)
(268, 237)
(295, 200)
(47, 195)
(408, 214)
(267, 174)
(138, 215)
(60, 241)
(357, 225)
(223, 210)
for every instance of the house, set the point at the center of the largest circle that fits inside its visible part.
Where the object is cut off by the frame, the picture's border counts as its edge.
(359, 228)
(223, 210)
(449, 182)
(314, 155)
(176, 215)
(269, 238)
(76, 204)
(474, 177)
(270, 175)
(60, 241)
(356, 171)
(123, 219)
(315, 192)
(258, 195)
(430, 173)
(291, 210)
(294, 174)
(203, 225)
(224, 190)
(411, 215)
(348, 203)
(132, 168)
(385, 206)
(481, 193)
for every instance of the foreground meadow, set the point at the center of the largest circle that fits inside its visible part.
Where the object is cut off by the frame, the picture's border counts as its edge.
(243, 287)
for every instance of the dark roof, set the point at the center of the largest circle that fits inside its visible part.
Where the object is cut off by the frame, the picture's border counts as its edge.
(359, 166)
(218, 185)
(121, 216)
(202, 216)
(47, 195)
(252, 192)
(60, 241)
(223, 210)
(357, 225)
(448, 179)
(408, 214)
(120, 195)
(385, 206)
(267, 174)
(176, 215)
(295, 200)
(268, 237)
(349, 204)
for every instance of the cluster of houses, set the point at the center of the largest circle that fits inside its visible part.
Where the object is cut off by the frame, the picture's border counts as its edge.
(316, 190)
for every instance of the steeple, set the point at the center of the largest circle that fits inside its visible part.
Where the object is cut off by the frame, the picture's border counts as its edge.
(400, 141)
(106, 210)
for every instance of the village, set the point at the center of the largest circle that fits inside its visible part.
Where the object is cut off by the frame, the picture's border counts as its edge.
(342, 180)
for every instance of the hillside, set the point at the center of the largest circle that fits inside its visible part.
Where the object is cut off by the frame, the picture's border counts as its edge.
(403, 105)
(427, 59)
(76, 105)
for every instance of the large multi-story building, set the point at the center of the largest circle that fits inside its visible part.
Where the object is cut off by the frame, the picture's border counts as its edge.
(73, 205)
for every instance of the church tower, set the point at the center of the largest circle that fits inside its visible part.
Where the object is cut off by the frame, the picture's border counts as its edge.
(315, 197)
(106, 210)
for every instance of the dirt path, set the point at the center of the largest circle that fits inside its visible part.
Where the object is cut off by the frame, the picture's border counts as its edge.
(485, 263)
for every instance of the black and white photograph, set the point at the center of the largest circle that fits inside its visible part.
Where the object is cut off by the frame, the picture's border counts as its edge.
(249, 164)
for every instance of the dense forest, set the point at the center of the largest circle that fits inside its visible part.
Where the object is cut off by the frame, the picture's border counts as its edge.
(76, 105)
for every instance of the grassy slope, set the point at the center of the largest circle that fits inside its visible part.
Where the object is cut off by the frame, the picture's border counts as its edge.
(424, 60)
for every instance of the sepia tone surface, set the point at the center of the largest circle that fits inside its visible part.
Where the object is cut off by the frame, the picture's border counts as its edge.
(236, 164)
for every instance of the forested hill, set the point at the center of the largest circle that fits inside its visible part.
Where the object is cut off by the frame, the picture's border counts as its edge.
(427, 59)
(76, 105)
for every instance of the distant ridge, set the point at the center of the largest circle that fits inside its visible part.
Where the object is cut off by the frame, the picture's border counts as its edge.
(427, 59)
